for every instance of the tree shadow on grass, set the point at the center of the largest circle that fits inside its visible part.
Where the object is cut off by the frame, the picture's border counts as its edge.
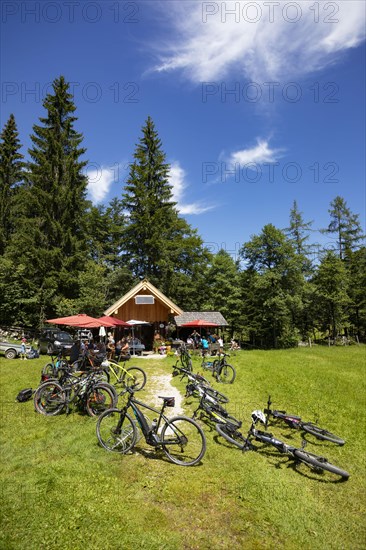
(155, 453)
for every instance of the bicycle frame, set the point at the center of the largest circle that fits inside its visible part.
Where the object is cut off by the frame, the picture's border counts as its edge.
(269, 439)
(290, 419)
(196, 378)
(56, 362)
(221, 362)
(184, 358)
(215, 412)
(117, 370)
(151, 437)
(217, 365)
(78, 384)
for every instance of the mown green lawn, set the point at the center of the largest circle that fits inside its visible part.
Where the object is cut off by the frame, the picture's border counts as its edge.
(61, 490)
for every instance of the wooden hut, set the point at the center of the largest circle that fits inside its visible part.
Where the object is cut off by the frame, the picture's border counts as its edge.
(144, 302)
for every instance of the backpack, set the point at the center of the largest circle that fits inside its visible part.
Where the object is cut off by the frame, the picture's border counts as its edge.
(32, 354)
(24, 395)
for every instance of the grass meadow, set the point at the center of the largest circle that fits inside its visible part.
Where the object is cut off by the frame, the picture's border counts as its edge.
(59, 489)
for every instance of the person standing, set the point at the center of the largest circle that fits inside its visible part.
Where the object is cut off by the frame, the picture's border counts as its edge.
(205, 345)
(75, 352)
(196, 338)
(23, 351)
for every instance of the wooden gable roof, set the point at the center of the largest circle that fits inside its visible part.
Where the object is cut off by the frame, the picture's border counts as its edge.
(144, 287)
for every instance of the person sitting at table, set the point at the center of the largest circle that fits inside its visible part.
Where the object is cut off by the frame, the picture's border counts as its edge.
(190, 342)
(157, 342)
(124, 350)
(196, 338)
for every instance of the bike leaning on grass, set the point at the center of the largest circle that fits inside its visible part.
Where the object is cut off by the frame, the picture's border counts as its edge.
(231, 433)
(52, 369)
(297, 423)
(184, 358)
(85, 390)
(220, 368)
(133, 377)
(180, 438)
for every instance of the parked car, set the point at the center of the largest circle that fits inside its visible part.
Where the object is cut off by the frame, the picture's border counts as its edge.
(53, 340)
(10, 350)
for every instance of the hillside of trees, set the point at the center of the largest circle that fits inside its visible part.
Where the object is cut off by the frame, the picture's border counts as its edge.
(60, 254)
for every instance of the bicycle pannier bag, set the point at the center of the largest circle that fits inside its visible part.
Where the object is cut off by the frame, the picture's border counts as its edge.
(24, 395)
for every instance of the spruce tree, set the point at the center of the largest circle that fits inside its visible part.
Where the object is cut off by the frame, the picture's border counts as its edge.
(56, 173)
(331, 283)
(274, 282)
(345, 226)
(356, 268)
(158, 244)
(104, 232)
(223, 291)
(11, 173)
(298, 234)
(49, 238)
(148, 201)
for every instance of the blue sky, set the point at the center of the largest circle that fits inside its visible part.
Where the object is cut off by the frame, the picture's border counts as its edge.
(257, 104)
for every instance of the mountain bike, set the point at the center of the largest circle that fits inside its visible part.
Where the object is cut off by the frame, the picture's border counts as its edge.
(196, 389)
(86, 391)
(180, 438)
(184, 358)
(89, 361)
(51, 370)
(211, 408)
(86, 363)
(192, 377)
(220, 368)
(232, 434)
(296, 422)
(133, 377)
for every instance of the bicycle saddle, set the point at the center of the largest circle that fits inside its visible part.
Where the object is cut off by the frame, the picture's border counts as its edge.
(168, 401)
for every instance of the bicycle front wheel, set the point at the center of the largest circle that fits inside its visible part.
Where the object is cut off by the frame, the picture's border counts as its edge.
(116, 432)
(226, 375)
(232, 435)
(312, 429)
(319, 463)
(49, 398)
(183, 441)
(134, 378)
(49, 370)
(101, 398)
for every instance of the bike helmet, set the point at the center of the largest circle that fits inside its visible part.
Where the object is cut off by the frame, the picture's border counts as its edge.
(258, 416)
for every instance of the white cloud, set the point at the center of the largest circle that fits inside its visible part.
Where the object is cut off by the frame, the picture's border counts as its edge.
(258, 39)
(259, 154)
(179, 185)
(99, 183)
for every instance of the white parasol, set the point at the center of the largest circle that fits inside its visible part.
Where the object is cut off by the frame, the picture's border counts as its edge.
(135, 323)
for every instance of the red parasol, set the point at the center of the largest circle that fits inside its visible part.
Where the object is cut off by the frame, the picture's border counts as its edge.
(80, 320)
(115, 322)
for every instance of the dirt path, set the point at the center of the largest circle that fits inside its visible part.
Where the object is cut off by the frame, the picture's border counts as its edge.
(160, 384)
